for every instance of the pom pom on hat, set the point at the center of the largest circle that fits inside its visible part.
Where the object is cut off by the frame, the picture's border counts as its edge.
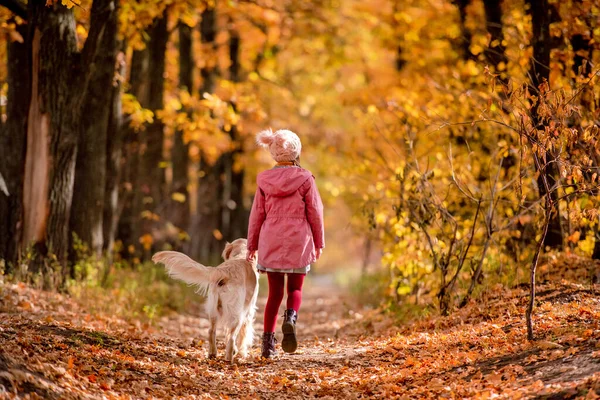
(265, 138)
(284, 145)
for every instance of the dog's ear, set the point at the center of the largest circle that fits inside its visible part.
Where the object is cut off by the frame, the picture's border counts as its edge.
(227, 252)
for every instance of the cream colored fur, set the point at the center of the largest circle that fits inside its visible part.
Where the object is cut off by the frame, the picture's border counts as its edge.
(231, 288)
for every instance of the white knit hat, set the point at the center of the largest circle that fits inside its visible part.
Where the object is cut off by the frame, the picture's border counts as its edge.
(284, 145)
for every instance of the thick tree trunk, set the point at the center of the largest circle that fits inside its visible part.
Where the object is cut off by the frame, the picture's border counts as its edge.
(52, 130)
(60, 78)
(114, 161)
(180, 209)
(205, 226)
(541, 17)
(90, 174)
(12, 146)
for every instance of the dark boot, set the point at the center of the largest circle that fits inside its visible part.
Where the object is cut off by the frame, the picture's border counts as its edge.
(289, 344)
(268, 344)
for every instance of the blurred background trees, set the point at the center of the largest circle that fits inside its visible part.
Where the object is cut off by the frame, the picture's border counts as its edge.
(444, 135)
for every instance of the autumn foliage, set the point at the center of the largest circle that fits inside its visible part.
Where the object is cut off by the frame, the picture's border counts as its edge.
(455, 143)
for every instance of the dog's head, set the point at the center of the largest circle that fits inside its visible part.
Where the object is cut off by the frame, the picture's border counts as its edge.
(236, 249)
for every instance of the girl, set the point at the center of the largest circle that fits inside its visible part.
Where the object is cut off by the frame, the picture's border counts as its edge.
(286, 227)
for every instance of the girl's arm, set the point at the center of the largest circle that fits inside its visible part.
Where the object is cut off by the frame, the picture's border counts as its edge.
(314, 214)
(257, 217)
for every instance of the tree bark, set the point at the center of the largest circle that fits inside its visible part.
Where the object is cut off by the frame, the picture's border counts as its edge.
(12, 146)
(204, 244)
(152, 173)
(60, 79)
(583, 50)
(90, 174)
(495, 53)
(541, 17)
(400, 60)
(130, 193)
(234, 215)
(180, 210)
(114, 161)
(466, 37)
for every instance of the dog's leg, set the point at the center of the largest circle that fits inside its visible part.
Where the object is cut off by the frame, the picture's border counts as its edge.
(212, 338)
(242, 340)
(231, 348)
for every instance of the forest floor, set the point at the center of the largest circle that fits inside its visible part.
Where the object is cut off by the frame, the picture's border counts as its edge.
(51, 347)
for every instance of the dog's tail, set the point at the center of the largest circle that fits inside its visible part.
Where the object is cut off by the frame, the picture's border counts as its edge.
(183, 268)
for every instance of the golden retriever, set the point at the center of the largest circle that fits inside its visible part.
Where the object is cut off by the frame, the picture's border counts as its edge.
(232, 289)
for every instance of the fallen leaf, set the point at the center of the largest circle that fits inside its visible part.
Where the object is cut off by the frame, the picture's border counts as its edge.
(547, 345)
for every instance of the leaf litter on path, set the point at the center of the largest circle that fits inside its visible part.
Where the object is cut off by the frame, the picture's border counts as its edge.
(52, 348)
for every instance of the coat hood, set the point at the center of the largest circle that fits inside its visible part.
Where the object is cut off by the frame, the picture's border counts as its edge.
(281, 182)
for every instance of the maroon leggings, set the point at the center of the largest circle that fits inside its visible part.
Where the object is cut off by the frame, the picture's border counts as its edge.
(276, 286)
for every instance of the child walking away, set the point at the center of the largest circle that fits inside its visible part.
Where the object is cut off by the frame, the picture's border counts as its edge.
(286, 227)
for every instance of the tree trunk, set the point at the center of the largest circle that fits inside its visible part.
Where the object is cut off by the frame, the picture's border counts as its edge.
(205, 226)
(130, 193)
(52, 130)
(114, 161)
(596, 252)
(581, 60)
(495, 53)
(235, 218)
(180, 209)
(60, 78)
(541, 17)
(12, 146)
(152, 172)
(90, 174)
(400, 61)
(466, 37)
(205, 243)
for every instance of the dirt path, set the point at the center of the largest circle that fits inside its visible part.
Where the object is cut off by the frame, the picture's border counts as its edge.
(329, 328)
(327, 315)
(52, 348)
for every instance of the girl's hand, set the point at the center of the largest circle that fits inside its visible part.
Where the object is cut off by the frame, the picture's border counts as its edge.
(251, 255)
(319, 252)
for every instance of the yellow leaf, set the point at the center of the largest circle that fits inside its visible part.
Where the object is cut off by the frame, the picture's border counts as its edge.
(178, 197)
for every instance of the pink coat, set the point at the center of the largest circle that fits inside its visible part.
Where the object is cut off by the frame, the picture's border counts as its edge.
(286, 221)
